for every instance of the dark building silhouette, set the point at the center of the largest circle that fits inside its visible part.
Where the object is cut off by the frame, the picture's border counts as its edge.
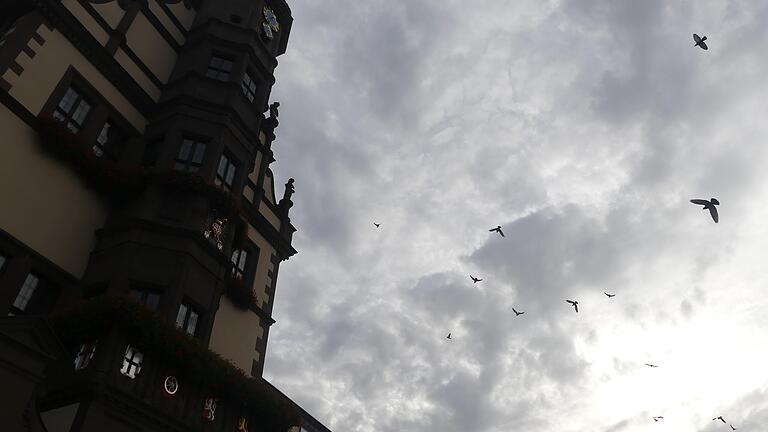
(140, 234)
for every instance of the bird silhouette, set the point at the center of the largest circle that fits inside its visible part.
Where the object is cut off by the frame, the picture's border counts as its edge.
(732, 428)
(517, 313)
(575, 304)
(377, 224)
(609, 295)
(651, 365)
(474, 279)
(719, 418)
(498, 230)
(709, 205)
(657, 418)
(449, 336)
(700, 41)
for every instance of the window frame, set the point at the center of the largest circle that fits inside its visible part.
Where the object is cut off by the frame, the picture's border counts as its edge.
(144, 294)
(189, 310)
(22, 309)
(110, 147)
(215, 72)
(245, 88)
(189, 163)
(67, 117)
(226, 180)
(240, 265)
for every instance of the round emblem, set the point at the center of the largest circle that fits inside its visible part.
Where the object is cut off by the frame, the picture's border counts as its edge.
(271, 18)
(171, 385)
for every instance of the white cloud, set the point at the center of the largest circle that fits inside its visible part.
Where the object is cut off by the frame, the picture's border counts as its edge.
(583, 127)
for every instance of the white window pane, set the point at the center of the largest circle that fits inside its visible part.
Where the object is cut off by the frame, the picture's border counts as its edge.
(104, 134)
(199, 152)
(192, 323)
(26, 292)
(181, 315)
(186, 146)
(68, 100)
(82, 110)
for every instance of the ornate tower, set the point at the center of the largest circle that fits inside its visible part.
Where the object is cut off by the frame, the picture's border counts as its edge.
(144, 258)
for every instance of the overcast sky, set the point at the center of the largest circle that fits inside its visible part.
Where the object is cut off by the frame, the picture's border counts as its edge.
(582, 127)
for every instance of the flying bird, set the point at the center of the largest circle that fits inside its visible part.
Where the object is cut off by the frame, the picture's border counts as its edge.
(651, 365)
(709, 205)
(575, 305)
(517, 313)
(377, 224)
(732, 428)
(498, 230)
(449, 336)
(700, 41)
(474, 279)
(609, 295)
(719, 418)
(657, 418)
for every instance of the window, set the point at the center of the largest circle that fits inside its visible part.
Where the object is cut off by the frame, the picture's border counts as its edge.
(2, 262)
(107, 141)
(225, 174)
(149, 298)
(132, 362)
(190, 156)
(249, 87)
(25, 293)
(219, 68)
(186, 319)
(85, 354)
(239, 259)
(72, 110)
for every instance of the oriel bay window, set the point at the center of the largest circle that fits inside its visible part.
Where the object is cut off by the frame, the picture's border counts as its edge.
(225, 174)
(72, 110)
(190, 156)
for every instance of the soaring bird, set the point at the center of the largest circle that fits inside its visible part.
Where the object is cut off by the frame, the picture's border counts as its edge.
(651, 365)
(609, 295)
(700, 41)
(377, 224)
(657, 418)
(732, 428)
(474, 279)
(709, 205)
(498, 230)
(719, 418)
(516, 312)
(575, 304)
(449, 336)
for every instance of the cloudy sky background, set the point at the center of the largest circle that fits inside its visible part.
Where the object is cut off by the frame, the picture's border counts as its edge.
(583, 127)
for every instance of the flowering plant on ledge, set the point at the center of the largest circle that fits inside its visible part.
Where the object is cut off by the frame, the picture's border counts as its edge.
(240, 293)
(106, 177)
